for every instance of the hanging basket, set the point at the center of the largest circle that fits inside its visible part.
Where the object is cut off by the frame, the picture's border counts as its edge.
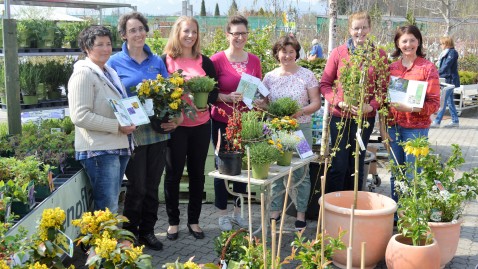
(226, 245)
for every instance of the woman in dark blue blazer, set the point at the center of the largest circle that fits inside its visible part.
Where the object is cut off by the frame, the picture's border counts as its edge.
(448, 69)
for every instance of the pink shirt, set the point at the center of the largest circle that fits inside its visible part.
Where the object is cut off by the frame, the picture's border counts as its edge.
(294, 86)
(191, 68)
(228, 80)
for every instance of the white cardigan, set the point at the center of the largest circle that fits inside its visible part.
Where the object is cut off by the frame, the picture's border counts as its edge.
(96, 127)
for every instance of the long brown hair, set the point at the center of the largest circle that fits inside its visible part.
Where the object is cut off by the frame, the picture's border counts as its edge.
(173, 47)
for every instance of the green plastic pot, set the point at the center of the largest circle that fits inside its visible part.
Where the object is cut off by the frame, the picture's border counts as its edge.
(260, 171)
(285, 158)
(200, 99)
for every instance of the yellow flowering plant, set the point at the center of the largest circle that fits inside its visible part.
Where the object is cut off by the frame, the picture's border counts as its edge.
(99, 230)
(285, 123)
(167, 95)
(188, 265)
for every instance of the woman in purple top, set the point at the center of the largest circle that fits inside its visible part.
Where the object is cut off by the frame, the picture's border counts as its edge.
(230, 64)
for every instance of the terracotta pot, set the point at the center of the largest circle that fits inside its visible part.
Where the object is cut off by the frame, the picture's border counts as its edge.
(373, 224)
(447, 235)
(401, 254)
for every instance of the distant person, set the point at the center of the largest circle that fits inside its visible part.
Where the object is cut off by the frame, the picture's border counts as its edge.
(316, 51)
(102, 145)
(448, 69)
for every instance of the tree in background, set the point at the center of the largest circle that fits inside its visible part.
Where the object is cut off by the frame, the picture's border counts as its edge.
(216, 11)
(233, 9)
(203, 9)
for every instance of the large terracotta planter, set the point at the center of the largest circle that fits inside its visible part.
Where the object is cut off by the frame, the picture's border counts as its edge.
(401, 254)
(447, 235)
(373, 224)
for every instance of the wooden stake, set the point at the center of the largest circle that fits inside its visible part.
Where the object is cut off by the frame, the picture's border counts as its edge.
(273, 242)
(320, 222)
(362, 256)
(284, 207)
(249, 205)
(264, 227)
(351, 237)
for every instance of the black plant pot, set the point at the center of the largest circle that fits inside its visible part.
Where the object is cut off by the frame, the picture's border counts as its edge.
(229, 163)
(156, 124)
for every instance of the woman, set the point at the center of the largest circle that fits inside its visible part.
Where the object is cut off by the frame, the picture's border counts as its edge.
(190, 141)
(230, 65)
(340, 176)
(410, 122)
(300, 84)
(134, 63)
(102, 146)
(448, 69)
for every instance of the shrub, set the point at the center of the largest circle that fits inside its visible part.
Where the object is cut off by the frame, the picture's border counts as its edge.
(468, 77)
(283, 107)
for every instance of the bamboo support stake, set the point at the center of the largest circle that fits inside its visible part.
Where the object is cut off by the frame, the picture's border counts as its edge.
(249, 205)
(284, 207)
(351, 237)
(362, 256)
(273, 242)
(321, 221)
(264, 227)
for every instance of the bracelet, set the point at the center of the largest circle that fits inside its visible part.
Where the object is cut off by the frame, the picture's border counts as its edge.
(412, 109)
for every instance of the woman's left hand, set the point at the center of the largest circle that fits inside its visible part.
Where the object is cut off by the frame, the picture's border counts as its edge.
(404, 108)
(298, 114)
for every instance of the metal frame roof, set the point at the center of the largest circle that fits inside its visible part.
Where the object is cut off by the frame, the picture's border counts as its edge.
(68, 4)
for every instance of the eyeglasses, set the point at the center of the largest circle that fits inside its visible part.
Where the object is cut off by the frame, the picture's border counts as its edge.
(363, 28)
(134, 30)
(237, 34)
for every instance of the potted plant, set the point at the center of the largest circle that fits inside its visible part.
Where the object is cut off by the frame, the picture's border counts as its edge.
(30, 76)
(286, 143)
(229, 157)
(414, 246)
(254, 130)
(444, 197)
(167, 98)
(109, 245)
(262, 155)
(200, 87)
(72, 30)
(283, 107)
(53, 78)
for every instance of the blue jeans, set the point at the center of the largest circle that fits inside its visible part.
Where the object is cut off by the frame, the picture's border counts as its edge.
(400, 134)
(451, 107)
(106, 174)
(301, 191)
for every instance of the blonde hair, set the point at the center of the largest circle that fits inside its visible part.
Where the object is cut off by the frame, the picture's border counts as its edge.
(447, 41)
(361, 15)
(173, 47)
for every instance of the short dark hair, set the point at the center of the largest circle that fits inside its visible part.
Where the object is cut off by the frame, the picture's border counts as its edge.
(408, 29)
(128, 16)
(283, 42)
(87, 37)
(235, 20)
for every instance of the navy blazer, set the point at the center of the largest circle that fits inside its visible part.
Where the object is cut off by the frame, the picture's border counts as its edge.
(449, 67)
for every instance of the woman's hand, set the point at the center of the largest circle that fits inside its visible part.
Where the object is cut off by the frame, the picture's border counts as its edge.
(127, 129)
(172, 123)
(298, 114)
(261, 103)
(366, 108)
(235, 97)
(404, 108)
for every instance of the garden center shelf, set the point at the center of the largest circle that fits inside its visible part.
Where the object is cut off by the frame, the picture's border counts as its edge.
(51, 52)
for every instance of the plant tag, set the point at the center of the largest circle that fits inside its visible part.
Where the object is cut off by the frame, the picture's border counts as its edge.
(358, 136)
(149, 107)
(64, 243)
(435, 215)
(224, 264)
(439, 185)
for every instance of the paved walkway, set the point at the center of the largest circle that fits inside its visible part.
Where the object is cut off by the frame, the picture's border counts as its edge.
(203, 250)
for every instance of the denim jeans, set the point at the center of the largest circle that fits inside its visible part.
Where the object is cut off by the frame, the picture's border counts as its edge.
(301, 192)
(340, 176)
(451, 107)
(106, 174)
(400, 134)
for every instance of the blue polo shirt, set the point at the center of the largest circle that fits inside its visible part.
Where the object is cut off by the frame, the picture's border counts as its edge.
(317, 50)
(131, 74)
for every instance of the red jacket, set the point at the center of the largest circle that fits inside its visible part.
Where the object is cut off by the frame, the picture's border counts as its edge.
(330, 78)
(422, 70)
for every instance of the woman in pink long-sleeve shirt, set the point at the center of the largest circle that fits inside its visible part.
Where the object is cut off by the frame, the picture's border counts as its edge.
(342, 168)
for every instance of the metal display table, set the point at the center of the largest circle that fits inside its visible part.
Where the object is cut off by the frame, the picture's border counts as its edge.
(276, 172)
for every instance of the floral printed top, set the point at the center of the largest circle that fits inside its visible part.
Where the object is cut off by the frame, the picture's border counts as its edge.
(294, 86)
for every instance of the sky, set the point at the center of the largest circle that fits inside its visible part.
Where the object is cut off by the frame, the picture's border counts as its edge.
(163, 7)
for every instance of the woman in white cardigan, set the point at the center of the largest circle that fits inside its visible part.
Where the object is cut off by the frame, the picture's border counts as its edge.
(101, 145)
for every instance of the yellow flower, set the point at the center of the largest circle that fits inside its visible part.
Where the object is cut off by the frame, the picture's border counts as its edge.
(51, 218)
(38, 265)
(191, 265)
(134, 252)
(105, 245)
(177, 93)
(173, 105)
(4, 265)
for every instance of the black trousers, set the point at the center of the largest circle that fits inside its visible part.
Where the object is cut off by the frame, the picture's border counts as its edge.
(188, 145)
(144, 172)
(220, 191)
(340, 175)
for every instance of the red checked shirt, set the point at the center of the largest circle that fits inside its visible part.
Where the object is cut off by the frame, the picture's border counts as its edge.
(422, 70)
